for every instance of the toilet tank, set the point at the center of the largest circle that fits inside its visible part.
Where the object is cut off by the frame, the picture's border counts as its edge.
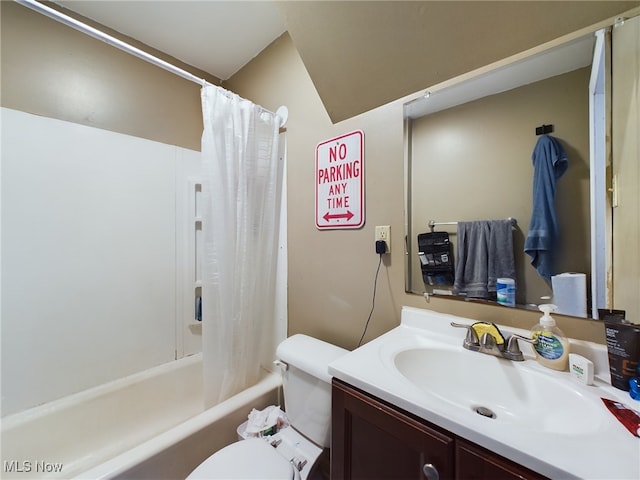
(307, 385)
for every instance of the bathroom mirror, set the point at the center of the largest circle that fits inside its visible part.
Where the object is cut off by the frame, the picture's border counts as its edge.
(468, 146)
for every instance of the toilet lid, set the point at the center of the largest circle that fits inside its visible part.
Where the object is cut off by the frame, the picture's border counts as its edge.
(253, 458)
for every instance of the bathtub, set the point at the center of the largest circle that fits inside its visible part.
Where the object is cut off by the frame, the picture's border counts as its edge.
(148, 425)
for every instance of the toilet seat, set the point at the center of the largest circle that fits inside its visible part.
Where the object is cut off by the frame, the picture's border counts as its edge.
(253, 458)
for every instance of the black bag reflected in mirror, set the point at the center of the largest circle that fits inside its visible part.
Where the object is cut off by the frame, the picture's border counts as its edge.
(436, 258)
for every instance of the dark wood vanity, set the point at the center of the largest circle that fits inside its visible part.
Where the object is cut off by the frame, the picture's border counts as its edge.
(372, 439)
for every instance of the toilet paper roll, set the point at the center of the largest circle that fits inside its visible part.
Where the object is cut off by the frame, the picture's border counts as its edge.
(570, 293)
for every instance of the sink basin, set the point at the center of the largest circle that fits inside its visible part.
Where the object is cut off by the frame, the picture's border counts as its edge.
(500, 390)
(543, 419)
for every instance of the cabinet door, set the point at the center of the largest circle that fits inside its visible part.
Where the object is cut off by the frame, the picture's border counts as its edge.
(371, 440)
(476, 463)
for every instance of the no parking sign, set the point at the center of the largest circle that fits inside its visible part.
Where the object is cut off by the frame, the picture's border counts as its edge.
(340, 182)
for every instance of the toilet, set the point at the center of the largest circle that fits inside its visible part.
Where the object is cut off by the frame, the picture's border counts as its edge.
(293, 451)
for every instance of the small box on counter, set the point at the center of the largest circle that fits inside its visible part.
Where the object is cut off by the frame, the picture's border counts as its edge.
(623, 347)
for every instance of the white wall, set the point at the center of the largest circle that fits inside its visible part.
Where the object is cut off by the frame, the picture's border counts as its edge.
(89, 257)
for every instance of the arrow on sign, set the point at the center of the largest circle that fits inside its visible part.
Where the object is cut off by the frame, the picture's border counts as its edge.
(347, 215)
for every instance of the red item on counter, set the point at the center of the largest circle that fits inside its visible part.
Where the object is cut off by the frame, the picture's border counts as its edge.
(626, 416)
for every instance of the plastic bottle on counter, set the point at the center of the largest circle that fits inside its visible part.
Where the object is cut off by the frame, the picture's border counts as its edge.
(552, 349)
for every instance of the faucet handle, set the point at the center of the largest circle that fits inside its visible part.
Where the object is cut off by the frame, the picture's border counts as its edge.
(488, 341)
(512, 346)
(472, 336)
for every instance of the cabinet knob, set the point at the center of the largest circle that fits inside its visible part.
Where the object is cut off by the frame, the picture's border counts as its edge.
(430, 471)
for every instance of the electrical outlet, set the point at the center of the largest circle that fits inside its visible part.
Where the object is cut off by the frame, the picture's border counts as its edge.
(383, 232)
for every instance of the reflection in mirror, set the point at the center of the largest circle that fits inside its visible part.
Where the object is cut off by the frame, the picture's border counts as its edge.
(469, 157)
(625, 168)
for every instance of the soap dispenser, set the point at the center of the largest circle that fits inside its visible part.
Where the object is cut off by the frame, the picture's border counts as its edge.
(552, 349)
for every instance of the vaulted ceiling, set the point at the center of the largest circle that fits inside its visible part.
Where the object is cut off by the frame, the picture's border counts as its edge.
(359, 54)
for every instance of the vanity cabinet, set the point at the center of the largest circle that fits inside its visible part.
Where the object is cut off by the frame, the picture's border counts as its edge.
(476, 463)
(372, 439)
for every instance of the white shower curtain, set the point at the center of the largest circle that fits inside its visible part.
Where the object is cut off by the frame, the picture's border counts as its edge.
(241, 188)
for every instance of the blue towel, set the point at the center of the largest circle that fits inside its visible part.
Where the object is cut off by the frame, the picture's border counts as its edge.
(549, 163)
(484, 254)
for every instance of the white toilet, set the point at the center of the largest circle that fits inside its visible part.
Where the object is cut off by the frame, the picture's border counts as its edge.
(293, 451)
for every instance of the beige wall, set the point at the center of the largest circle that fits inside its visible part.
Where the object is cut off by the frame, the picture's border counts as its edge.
(331, 272)
(473, 162)
(51, 70)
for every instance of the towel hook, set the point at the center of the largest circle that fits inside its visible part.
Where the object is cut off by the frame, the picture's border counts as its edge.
(544, 129)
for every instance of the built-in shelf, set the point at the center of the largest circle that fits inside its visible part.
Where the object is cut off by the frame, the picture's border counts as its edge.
(195, 235)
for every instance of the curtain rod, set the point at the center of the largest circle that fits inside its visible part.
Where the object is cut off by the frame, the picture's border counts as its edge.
(125, 47)
(95, 33)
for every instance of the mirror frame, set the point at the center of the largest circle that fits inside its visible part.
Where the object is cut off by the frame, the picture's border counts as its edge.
(554, 58)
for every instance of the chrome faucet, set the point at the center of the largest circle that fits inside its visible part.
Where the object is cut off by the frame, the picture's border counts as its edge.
(488, 344)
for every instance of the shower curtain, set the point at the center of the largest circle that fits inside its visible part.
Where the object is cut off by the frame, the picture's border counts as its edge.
(241, 185)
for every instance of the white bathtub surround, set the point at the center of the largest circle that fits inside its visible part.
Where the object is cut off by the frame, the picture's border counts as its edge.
(544, 420)
(241, 189)
(135, 427)
(93, 263)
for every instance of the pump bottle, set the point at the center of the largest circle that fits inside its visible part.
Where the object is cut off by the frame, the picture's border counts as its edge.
(552, 349)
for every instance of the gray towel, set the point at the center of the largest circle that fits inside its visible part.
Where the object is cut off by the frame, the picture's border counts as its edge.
(501, 259)
(484, 254)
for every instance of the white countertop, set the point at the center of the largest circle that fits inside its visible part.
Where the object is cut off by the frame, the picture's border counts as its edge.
(603, 449)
